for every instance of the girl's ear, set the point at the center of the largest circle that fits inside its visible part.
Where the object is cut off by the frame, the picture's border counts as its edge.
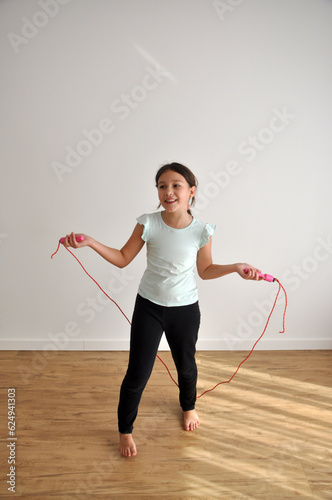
(192, 191)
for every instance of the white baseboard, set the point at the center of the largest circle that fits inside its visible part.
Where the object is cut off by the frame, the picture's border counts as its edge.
(40, 345)
(281, 343)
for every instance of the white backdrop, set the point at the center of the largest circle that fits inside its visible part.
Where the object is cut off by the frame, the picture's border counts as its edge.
(97, 94)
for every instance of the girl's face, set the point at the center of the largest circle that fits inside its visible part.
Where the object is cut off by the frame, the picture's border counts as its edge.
(174, 191)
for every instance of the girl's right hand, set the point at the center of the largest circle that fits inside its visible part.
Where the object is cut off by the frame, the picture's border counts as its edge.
(70, 240)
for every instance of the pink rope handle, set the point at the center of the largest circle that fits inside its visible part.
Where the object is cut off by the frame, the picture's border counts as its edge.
(169, 373)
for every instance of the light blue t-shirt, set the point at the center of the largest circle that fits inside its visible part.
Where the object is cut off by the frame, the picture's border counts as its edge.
(169, 279)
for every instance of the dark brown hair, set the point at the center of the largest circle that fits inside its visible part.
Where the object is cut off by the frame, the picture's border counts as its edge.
(182, 170)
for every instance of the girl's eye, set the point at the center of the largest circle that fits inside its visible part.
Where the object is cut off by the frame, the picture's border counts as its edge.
(163, 186)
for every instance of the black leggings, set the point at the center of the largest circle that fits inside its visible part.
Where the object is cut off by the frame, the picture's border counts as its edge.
(180, 324)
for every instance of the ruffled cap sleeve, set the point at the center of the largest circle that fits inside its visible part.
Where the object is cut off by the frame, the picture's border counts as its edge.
(144, 221)
(208, 231)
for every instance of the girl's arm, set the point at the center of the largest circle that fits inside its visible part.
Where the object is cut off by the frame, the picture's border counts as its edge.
(119, 258)
(208, 271)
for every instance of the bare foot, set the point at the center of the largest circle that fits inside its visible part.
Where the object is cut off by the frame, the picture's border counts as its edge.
(127, 445)
(190, 420)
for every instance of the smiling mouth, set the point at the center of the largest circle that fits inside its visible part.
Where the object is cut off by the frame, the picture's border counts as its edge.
(169, 202)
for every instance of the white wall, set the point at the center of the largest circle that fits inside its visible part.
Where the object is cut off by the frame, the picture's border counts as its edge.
(204, 78)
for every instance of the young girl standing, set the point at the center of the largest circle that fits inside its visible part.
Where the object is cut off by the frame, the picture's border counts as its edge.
(167, 299)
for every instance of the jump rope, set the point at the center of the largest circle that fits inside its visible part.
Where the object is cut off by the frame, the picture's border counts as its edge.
(266, 277)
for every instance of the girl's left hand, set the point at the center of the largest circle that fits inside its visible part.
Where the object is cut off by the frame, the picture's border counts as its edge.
(252, 274)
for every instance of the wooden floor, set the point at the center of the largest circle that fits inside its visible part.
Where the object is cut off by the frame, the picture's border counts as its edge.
(266, 435)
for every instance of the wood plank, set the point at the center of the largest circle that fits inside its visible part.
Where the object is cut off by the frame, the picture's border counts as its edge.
(267, 434)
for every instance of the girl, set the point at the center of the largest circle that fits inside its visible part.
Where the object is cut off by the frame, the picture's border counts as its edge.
(167, 298)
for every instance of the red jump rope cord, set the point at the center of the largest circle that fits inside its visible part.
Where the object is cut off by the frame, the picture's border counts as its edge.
(252, 350)
(117, 305)
(169, 373)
